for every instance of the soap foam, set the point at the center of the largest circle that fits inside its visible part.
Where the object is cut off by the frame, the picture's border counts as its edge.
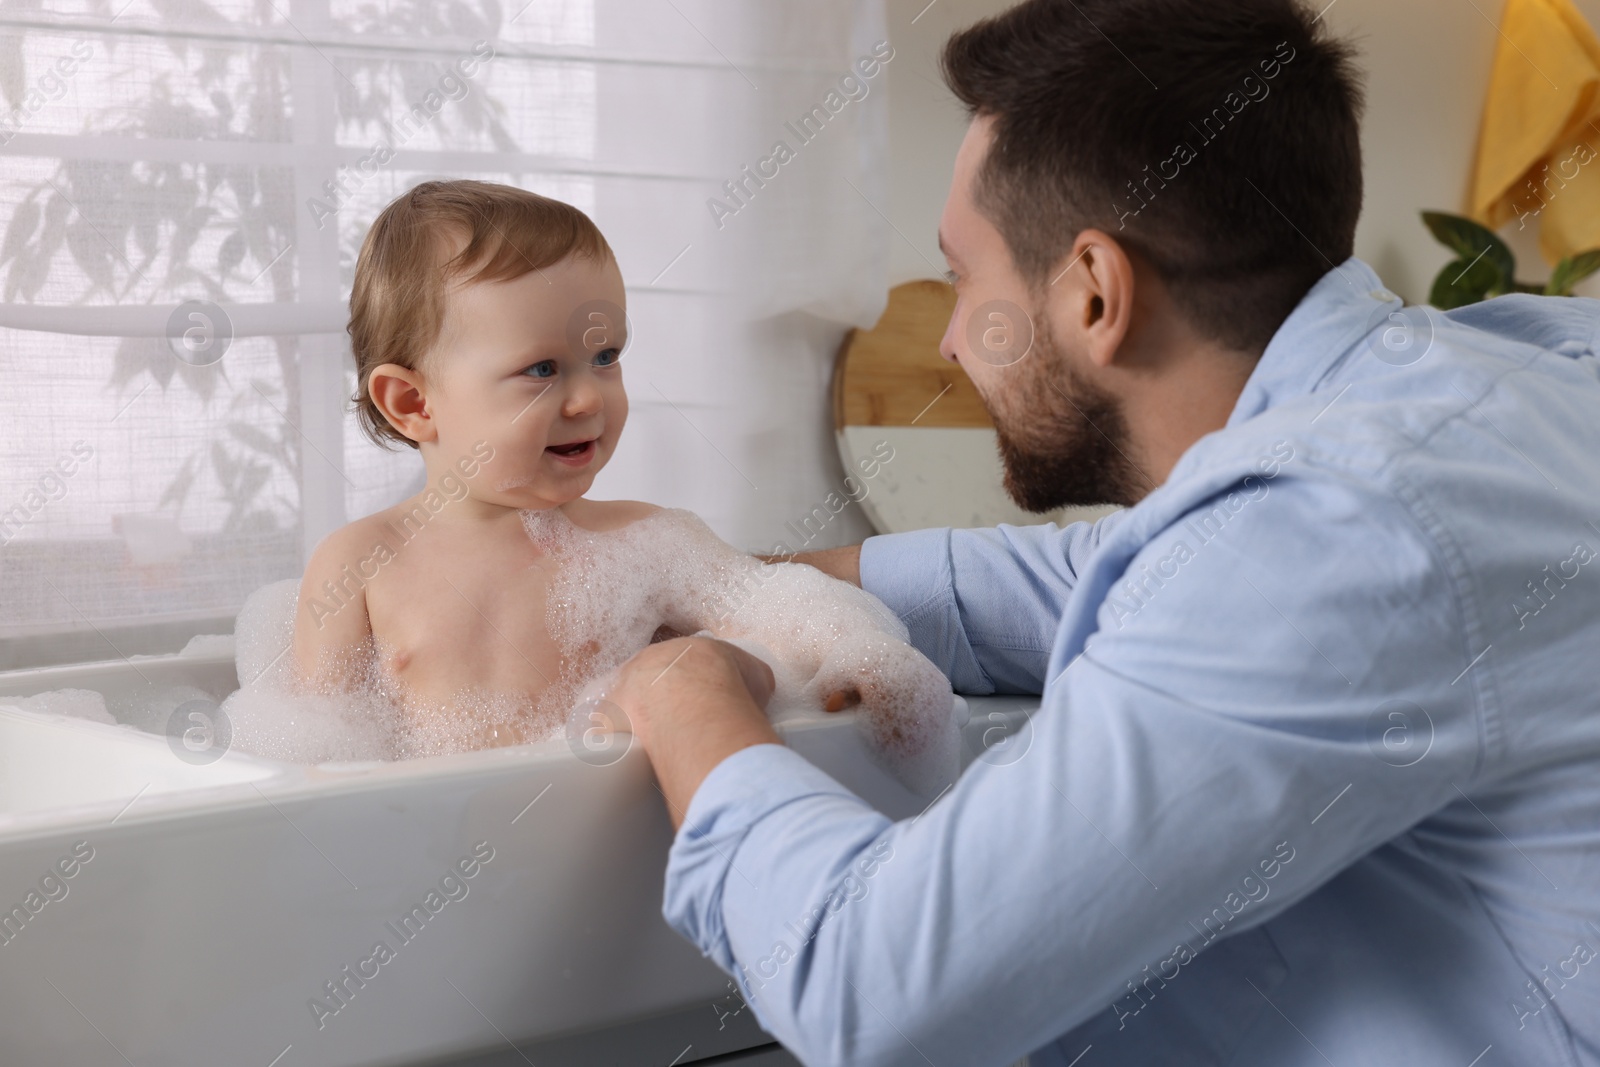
(367, 714)
(73, 703)
(471, 719)
(613, 592)
(616, 588)
(303, 727)
(275, 714)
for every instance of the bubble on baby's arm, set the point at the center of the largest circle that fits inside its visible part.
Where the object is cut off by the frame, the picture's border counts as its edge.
(263, 636)
(602, 606)
(845, 640)
(340, 711)
(614, 589)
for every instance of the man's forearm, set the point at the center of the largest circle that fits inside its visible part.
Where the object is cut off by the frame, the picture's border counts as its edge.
(842, 563)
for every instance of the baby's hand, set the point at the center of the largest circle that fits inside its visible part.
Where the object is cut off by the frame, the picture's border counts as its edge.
(903, 703)
(840, 699)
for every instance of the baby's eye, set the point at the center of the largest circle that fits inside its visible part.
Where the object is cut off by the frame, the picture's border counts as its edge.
(608, 357)
(543, 369)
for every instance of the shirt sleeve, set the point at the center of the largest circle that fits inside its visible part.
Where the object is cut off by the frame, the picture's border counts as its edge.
(982, 604)
(1274, 705)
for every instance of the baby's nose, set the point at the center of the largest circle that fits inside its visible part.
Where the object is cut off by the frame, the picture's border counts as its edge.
(582, 398)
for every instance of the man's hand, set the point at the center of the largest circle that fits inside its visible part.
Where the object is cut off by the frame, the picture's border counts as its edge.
(842, 563)
(692, 702)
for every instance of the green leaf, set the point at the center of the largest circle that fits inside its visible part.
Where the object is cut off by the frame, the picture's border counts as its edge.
(1475, 244)
(1462, 282)
(1571, 271)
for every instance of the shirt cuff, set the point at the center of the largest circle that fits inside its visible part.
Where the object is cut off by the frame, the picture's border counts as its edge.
(739, 792)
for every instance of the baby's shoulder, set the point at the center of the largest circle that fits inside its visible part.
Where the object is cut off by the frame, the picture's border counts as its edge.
(350, 541)
(601, 516)
(352, 535)
(653, 530)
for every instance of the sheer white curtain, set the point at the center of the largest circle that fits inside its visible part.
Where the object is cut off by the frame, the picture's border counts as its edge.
(233, 153)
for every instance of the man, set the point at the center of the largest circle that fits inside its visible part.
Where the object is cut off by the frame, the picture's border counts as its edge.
(1315, 777)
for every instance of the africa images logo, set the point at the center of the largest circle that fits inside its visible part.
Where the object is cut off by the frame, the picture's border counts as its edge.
(452, 887)
(851, 87)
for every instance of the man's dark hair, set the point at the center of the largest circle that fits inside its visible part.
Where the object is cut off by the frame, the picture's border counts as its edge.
(1219, 142)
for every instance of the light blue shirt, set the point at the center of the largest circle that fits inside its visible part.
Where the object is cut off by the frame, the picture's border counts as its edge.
(1315, 778)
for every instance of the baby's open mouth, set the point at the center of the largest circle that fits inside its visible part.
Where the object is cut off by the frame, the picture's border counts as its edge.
(572, 449)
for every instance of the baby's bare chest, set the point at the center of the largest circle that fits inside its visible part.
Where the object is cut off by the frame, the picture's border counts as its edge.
(447, 616)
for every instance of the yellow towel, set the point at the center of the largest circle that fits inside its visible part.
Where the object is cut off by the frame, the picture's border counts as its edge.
(1539, 144)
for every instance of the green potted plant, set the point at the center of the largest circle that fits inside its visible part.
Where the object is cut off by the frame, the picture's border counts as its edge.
(1485, 267)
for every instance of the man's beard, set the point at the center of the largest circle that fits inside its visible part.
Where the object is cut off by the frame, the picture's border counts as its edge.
(1063, 440)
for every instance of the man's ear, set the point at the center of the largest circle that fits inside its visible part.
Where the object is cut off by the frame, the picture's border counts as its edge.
(401, 395)
(1092, 290)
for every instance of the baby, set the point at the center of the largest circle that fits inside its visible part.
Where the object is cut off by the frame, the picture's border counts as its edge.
(488, 329)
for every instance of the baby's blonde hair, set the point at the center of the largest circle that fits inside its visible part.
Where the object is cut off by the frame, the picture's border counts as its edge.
(397, 302)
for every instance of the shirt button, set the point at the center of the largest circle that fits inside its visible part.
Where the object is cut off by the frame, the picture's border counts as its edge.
(1383, 294)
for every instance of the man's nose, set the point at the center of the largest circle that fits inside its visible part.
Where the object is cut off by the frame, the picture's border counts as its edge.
(947, 343)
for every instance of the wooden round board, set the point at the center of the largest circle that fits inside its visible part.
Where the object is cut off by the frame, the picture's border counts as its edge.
(911, 428)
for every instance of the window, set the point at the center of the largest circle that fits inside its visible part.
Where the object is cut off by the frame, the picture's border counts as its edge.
(235, 154)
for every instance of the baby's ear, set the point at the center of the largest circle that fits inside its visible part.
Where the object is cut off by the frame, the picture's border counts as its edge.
(401, 396)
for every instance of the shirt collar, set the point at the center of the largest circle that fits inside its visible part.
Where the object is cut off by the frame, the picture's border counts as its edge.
(1341, 308)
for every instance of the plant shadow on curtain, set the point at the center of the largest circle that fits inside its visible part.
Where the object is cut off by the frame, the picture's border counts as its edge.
(158, 153)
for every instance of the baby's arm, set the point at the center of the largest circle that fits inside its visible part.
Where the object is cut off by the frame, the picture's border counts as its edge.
(794, 609)
(332, 630)
(840, 644)
(852, 652)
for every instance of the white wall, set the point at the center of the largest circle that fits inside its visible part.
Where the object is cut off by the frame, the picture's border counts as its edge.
(1427, 64)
